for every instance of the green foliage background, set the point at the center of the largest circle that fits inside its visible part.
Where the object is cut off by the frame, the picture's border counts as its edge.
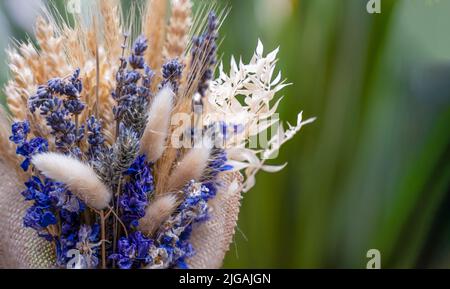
(373, 171)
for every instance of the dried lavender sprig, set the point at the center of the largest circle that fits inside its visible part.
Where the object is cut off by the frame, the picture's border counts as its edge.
(95, 138)
(171, 73)
(136, 59)
(125, 149)
(136, 116)
(61, 113)
(127, 80)
(113, 162)
(204, 53)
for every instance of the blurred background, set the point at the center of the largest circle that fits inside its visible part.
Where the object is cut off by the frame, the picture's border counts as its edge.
(373, 171)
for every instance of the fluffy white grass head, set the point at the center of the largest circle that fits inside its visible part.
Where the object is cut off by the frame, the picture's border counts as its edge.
(154, 138)
(191, 166)
(158, 212)
(80, 178)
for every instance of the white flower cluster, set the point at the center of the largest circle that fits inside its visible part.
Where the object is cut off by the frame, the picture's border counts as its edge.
(247, 97)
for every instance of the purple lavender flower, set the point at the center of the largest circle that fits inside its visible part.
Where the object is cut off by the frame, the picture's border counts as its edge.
(148, 77)
(45, 95)
(204, 50)
(96, 139)
(171, 73)
(133, 91)
(74, 106)
(136, 59)
(59, 112)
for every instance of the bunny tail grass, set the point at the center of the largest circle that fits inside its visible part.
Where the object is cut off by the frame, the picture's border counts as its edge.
(191, 166)
(157, 212)
(79, 178)
(156, 131)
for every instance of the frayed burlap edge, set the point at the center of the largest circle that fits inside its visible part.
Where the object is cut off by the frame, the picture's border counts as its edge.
(19, 247)
(211, 240)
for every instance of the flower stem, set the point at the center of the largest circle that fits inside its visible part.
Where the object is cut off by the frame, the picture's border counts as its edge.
(116, 225)
(103, 236)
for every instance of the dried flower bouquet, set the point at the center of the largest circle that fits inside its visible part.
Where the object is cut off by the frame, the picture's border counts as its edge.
(132, 155)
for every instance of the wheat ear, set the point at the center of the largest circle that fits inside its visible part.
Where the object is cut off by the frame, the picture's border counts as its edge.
(112, 27)
(178, 29)
(154, 27)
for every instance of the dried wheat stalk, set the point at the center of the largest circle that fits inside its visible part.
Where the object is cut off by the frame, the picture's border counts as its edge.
(178, 29)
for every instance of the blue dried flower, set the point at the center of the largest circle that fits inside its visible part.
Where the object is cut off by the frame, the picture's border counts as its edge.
(133, 251)
(64, 199)
(68, 238)
(136, 191)
(39, 218)
(34, 146)
(88, 233)
(20, 131)
(218, 162)
(27, 148)
(48, 193)
(195, 207)
(88, 245)
(51, 199)
(35, 191)
(174, 237)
